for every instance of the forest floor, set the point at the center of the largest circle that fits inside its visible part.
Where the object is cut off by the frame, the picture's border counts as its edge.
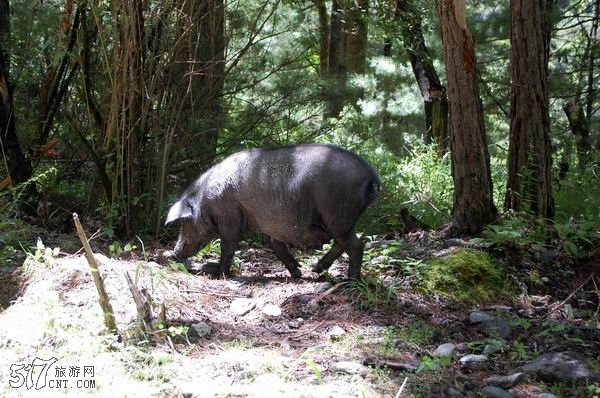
(260, 333)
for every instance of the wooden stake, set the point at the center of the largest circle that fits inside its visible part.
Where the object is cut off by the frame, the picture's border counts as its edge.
(142, 302)
(109, 316)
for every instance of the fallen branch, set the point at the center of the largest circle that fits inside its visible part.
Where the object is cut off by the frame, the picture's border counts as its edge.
(109, 316)
(562, 303)
(399, 394)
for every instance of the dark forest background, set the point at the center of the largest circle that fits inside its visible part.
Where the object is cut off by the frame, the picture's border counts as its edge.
(473, 112)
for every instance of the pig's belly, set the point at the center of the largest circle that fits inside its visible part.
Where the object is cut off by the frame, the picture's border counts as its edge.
(302, 236)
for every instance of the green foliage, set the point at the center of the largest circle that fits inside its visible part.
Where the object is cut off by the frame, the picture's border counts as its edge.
(433, 364)
(414, 268)
(575, 239)
(425, 186)
(418, 332)
(519, 351)
(314, 368)
(11, 232)
(388, 345)
(116, 250)
(522, 231)
(576, 196)
(369, 292)
(42, 257)
(465, 275)
(516, 230)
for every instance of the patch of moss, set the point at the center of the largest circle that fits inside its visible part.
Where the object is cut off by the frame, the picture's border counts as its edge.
(464, 275)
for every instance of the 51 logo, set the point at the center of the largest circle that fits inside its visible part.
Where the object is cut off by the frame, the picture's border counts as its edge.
(25, 374)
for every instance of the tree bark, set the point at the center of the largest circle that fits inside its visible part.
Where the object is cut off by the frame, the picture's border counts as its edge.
(356, 36)
(580, 127)
(336, 60)
(473, 203)
(323, 38)
(529, 186)
(198, 76)
(435, 101)
(57, 77)
(19, 167)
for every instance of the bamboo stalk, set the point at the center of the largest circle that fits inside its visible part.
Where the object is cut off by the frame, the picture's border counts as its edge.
(109, 316)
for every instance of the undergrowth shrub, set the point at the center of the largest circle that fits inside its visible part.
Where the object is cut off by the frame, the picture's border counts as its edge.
(577, 196)
(420, 181)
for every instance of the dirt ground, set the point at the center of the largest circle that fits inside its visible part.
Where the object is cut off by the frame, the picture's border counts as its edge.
(55, 316)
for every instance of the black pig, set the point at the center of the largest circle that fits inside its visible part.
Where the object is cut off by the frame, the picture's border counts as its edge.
(302, 196)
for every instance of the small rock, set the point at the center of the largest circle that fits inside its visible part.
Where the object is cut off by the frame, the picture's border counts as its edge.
(312, 380)
(314, 305)
(496, 327)
(233, 285)
(348, 367)
(323, 287)
(242, 306)
(561, 367)
(499, 307)
(203, 329)
(490, 349)
(336, 332)
(452, 392)
(271, 310)
(505, 382)
(444, 350)
(453, 242)
(546, 395)
(294, 324)
(379, 260)
(476, 317)
(548, 256)
(388, 281)
(474, 362)
(494, 392)
(568, 311)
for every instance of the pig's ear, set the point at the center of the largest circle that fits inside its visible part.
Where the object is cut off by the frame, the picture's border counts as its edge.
(181, 209)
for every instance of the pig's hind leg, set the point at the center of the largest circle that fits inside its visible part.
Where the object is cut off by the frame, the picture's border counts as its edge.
(282, 252)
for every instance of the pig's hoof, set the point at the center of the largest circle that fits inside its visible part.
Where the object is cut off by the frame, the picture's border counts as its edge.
(211, 268)
(170, 254)
(354, 276)
(296, 274)
(318, 268)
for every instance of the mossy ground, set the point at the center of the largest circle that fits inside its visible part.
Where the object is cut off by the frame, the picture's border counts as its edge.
(465, 275)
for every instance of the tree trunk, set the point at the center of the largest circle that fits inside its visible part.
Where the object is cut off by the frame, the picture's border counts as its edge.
(198, 76)
(336, 60)
(529, 186)
(579, 125)
(473, 203)
(356, 36)
(323, 38)
(433, 92)
(19, 168)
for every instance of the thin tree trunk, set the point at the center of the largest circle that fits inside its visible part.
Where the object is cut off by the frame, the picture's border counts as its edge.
(529, 186)
(579, 126)
(473, 203)
(323, 38)
(19, 167)
(433, 92)
(356, 36)
(57, 78)
(337, 68)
